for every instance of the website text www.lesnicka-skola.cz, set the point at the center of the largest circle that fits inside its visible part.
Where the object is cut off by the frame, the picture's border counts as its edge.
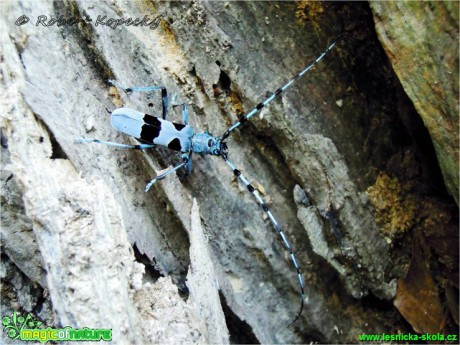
(408, 337)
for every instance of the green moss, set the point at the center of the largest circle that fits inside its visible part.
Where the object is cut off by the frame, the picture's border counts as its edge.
(395, 212)
(306, 10)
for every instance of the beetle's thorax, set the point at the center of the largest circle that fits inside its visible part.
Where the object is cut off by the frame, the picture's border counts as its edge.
(205, 143)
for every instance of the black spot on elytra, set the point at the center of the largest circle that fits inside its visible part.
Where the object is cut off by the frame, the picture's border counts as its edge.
(174, 144)
(149, 133)
(152, 120)
(178, 126)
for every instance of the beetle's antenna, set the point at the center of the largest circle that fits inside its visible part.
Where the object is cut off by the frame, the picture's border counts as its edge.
(258, 107)
(277, 227)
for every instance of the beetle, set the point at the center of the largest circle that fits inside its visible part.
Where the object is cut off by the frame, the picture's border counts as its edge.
(152, 131)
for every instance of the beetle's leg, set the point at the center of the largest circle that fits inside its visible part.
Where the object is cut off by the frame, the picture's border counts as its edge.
(135, 147)
(185, 160)
(189, 162)
(164, 93)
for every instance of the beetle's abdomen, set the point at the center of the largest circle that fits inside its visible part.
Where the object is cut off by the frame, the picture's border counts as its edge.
(151, 129)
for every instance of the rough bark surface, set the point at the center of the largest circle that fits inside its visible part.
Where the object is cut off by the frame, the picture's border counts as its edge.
(421, 40)
(342, 158)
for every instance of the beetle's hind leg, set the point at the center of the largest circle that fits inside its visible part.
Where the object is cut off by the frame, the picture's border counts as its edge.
(110, 143)
(164, 93)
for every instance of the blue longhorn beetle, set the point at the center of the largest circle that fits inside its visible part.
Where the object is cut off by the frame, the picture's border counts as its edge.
(151, 131)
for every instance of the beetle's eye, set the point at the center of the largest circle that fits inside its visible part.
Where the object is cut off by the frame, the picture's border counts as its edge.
(209, 142)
